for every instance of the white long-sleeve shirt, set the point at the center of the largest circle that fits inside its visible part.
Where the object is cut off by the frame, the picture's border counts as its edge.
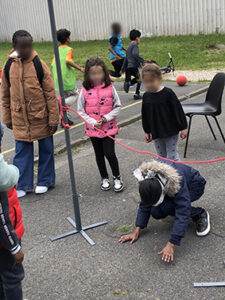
(110, 116)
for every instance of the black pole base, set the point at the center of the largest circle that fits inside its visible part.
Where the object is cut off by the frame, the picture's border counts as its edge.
(82, 231)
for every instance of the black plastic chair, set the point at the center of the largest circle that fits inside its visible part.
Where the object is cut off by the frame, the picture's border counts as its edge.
(211, 106)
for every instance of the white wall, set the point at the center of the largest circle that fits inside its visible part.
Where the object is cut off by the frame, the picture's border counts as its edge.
(90, 19)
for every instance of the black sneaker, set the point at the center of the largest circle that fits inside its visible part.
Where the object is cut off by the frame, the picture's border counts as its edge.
(202, 224)
(118, 184)
(126, 86)
(137, 97)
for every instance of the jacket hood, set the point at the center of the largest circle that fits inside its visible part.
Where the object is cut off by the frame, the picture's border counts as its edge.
(171, 175)
(14, 55)
(9, 175)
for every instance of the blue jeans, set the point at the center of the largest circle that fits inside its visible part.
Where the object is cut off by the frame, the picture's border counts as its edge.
(24, 161)
(10, 277)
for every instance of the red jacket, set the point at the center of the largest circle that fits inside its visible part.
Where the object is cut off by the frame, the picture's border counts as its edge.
(15, 213)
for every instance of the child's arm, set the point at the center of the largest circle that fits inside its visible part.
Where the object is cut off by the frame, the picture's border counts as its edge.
(50, 97)
(5, 98)
(112, 42)
(116, 107)
(71, 63)
(135, 53)
(145, 123)
(8, 236)
(81, 110)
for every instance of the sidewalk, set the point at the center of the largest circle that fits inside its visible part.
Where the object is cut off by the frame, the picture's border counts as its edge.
(71, 269)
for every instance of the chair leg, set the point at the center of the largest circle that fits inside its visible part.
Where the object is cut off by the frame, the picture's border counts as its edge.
(220, 130)
(210, 127)
(189, 129)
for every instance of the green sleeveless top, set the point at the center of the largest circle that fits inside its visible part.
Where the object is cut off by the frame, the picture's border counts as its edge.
(69, 79)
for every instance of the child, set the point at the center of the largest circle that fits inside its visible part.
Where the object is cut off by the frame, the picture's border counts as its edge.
(67, 66)
(132, 64)
(11, 232)
(99, 105)
(162, 114)
(30, 109)
(168, 189)
(116, 50)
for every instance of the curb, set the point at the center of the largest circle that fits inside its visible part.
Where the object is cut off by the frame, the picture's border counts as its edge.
(84, 140)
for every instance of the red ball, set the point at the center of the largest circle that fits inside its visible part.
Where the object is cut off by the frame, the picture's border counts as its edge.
(181, 80)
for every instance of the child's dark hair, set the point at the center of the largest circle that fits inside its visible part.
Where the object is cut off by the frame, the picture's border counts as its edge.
(134, 34)
(152, 69)
(95, 61)
(150, 191)
(63, 35)
(20, 33)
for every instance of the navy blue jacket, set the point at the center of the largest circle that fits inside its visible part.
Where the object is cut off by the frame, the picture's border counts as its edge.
(192, 188)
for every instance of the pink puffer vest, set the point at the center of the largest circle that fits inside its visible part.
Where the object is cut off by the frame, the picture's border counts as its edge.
(98, 103)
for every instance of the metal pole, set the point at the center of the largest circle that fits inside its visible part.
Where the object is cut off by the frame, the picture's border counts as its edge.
(67, 135)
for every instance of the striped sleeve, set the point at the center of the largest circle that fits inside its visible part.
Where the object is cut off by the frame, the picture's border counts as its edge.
(8, 236)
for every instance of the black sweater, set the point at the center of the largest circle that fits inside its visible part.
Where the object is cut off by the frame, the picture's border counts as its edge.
(162, 114)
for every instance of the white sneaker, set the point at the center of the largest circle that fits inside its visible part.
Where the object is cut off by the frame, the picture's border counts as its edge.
(118, 184)
(21, 193)
(105, 186)
(41, 189)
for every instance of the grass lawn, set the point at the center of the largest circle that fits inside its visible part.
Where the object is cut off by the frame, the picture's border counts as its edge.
(189, 52)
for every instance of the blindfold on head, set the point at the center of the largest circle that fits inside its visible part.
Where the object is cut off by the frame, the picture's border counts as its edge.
(150, 174)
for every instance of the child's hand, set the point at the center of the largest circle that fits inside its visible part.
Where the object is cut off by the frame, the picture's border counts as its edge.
(52, 129)
(18, 257)
(183, 134)
(9, 125)
(132, 237)
(121, 73)
(103, 120)
(148, 138)
(82, 70)
(167, 252)
(98, 124)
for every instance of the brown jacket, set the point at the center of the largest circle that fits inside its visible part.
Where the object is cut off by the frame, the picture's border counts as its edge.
(30, 107)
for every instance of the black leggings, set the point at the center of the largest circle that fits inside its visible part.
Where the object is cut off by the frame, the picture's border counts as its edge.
(133, 72)
(105, 147)
(117, 64)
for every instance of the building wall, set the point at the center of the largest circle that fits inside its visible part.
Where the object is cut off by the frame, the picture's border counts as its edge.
(90, 19)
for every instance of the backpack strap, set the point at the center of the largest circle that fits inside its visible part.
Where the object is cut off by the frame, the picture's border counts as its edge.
(7, 69)
(37, 65)
(39, 69)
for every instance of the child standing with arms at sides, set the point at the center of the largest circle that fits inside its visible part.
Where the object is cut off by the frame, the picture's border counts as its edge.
(99, 105)
(30, 109)
(116, 48)
(132, 64)
(67, 66)
(162, 114)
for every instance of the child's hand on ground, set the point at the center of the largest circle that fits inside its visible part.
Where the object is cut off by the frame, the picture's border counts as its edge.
(167, 252)
(132, 237)
(98, 124)
(18, 257)
(9, 125)
(183, 134)
(148, 138)
(53, 129)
